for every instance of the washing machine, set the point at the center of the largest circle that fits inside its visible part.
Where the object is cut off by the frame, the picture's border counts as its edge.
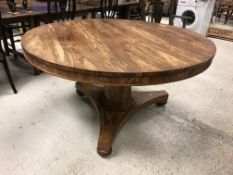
(200, 12)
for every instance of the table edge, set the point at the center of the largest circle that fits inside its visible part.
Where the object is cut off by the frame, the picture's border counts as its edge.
(133, 80)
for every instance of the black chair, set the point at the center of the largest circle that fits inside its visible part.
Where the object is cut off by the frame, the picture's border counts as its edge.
(61, 10)
(172, 16)
(139, 12)
(3, 56)
(109, 8)
(15, 30)
(152, 9)
(184, 20)
(155, 11)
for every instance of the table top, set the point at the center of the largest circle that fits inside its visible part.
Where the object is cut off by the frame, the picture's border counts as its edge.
(117, 52)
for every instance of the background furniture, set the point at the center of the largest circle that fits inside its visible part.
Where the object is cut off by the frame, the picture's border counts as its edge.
(6, 68)
(3, 57)
(16, 30)
(108, 8)
(172, 12)
(61, 10)
(130, 55)
(153, 11)
(224, 8)
(221, 25)
(229, 13)
(39, 11)
(139, 12)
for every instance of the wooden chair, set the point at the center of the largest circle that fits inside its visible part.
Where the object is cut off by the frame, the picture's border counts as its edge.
(3, 57)
(229, 13)
(61, 10)
(109, 8)
(225, 8)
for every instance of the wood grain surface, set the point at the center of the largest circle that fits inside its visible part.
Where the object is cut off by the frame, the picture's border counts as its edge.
(117, 52)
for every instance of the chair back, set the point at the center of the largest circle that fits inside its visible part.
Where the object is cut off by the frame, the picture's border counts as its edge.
(61, 10)
(141, 10)
(108, 8)
(155, 11)
(12, 5)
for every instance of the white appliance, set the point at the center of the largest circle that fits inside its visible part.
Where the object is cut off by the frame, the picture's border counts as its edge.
(199, 10)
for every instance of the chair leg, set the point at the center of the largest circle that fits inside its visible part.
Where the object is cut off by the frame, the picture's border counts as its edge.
(23, 27)
(5, 44)
(11, 37)
(226, 19)
(9, 76)
(184, 23)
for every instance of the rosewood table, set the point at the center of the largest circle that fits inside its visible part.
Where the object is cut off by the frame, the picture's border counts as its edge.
(107, 57)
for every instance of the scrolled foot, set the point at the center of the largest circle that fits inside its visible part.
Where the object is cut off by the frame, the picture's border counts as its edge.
(103, 152)
(106, 136)
(161, 103)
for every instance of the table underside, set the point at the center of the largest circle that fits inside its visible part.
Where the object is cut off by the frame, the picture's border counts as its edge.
(114, 105)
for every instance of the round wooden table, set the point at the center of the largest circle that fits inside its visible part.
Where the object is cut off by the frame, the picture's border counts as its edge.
(107, 57)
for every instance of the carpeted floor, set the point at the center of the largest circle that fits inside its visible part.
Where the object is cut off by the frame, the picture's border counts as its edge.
(46, 129)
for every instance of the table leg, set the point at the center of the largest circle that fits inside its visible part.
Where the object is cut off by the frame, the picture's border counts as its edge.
(114, 105)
